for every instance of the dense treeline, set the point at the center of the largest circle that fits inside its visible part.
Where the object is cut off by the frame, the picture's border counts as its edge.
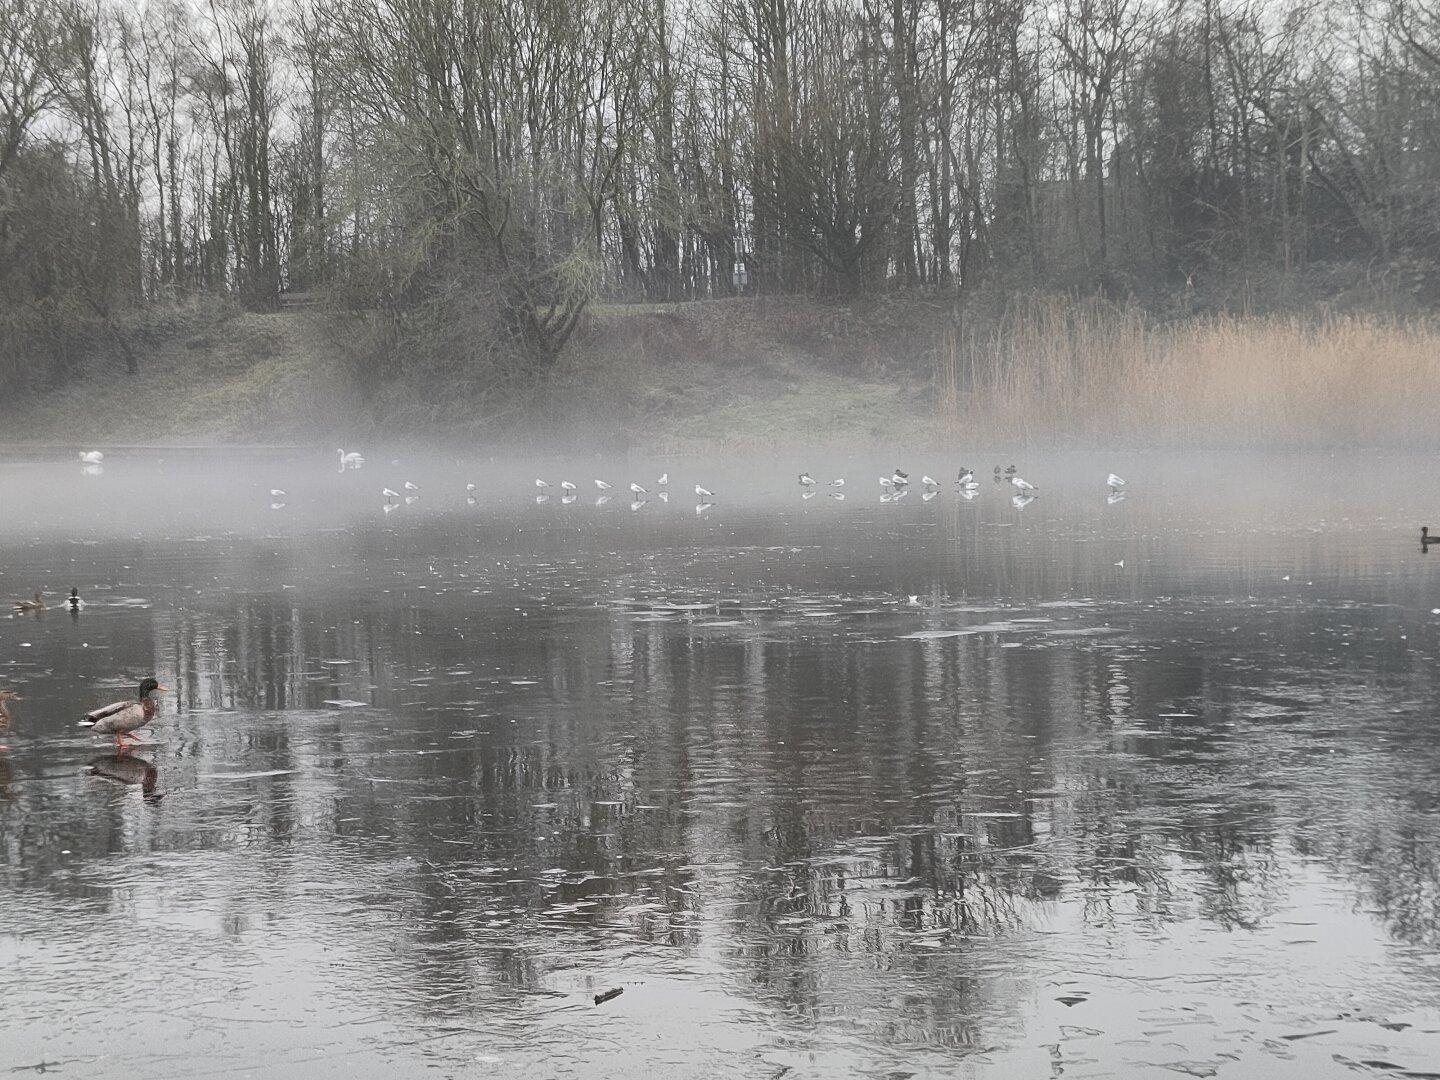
(468, 175)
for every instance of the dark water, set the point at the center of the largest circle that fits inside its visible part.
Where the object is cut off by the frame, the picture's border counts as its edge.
(826, 787)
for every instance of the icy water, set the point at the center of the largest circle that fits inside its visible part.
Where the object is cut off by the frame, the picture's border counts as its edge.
(820, 787)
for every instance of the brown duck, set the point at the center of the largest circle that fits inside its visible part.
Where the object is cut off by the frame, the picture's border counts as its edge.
(121, 718)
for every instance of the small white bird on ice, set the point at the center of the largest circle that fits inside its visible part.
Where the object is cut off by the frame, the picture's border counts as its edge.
(1115, 482)
(638, 490)
(602, 485)
(704, 493)
(929, 481)
(411, 487)
(806, 480)
(91, 457)
(277, 493)
(389, 494)
(838, 483)
(1021, 485)
(664, 479)
(566, 485)
(542, 484)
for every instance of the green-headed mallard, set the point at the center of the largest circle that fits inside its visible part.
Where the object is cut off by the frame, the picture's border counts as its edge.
(120, 718)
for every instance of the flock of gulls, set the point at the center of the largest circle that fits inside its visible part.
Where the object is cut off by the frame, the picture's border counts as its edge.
(893, 487)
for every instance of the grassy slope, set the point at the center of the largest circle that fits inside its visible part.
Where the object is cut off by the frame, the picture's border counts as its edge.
(695, 378)
(734, 375)
(207, 374)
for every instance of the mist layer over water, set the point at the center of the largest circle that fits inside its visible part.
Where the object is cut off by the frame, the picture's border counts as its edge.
(826, 786)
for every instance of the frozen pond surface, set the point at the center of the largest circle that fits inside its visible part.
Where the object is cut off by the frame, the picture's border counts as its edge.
(913, 788)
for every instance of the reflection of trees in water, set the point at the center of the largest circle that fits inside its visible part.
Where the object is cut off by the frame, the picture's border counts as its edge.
(845, 818)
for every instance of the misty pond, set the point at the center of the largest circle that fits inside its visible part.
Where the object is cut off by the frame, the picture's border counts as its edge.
(870, 786)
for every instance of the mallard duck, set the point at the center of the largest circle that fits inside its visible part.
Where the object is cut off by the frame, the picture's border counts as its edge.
(38, 604)
(120, 718)
(73, 601)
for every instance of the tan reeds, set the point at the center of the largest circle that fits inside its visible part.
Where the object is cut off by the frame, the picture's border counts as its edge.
(1069, 372)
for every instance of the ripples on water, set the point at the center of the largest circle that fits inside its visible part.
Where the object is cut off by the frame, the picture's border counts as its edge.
(827, 788)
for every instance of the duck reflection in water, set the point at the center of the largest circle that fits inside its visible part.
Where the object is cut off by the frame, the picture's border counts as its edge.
(126, 768)
(6, 696)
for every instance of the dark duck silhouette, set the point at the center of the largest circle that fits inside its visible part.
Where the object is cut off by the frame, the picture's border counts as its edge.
(127, 769)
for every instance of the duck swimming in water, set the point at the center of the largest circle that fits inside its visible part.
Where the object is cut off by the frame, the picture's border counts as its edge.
(121, 718)
(73, 601)
(38, 604)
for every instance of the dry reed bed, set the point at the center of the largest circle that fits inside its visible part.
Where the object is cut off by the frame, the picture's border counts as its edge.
(1076, 373)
